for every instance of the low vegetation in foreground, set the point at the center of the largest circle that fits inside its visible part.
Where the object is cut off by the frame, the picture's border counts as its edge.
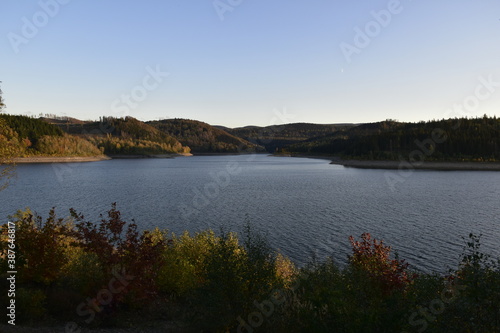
(74, 273)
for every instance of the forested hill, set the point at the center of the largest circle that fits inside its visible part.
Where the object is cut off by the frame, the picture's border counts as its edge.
(204, 138)
(276, 137)
(22, 136)
(475, 139)
(125, 136)
(31, 128)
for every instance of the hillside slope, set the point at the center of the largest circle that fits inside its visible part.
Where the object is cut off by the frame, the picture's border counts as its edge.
(276, 137)
(463, 139)
(22, 136)
(204, 138)
(125, 136)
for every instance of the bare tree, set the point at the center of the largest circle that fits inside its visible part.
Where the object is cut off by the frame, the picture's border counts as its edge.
(2, 104)
(6, 164)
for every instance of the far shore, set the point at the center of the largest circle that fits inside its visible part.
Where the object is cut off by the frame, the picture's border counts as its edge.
(394, 165)
(59, 159)
(441, 166)
(78, 159)
(228, 153)
(116, 157)
(359, 164)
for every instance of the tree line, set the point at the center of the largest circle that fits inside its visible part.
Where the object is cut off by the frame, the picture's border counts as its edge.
(464, 139)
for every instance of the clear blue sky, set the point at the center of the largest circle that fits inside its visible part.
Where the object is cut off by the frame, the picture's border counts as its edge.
(265, 55)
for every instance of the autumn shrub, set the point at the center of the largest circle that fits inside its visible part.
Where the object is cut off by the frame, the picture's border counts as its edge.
(213, 281)
(369, 294)
(40, 247)
(116, 244)
(184, 261)
(70, 260)
(371, 256)
(142, 262)
(216, 278)
(234, 275)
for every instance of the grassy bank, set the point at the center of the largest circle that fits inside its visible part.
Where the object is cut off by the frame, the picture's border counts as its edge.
(77, 273)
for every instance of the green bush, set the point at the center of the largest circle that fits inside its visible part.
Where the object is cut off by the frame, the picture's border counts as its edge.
(184, 261)
(83, 271)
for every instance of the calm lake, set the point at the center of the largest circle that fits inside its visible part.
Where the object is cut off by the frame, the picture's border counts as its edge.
(306, 207)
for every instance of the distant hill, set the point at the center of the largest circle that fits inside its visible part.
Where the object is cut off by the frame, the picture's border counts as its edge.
(464, 139)
(476, 139)
(22, 136)
(204, 138)
(276, 137)
(61, 120)
(125, 136)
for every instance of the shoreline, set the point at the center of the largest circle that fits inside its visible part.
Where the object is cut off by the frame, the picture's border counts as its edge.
(357, 164)
(405, 165)
(58, 159)
(121, 157)
(224, 154)
(437, 166)
(80, 159)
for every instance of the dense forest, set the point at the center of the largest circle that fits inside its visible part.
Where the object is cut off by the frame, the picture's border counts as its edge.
(475, 139)
(276, 137)
(31, 128)
(204, 138)
(22, 136)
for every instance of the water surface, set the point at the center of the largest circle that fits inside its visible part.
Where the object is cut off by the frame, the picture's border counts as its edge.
(306, 207)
